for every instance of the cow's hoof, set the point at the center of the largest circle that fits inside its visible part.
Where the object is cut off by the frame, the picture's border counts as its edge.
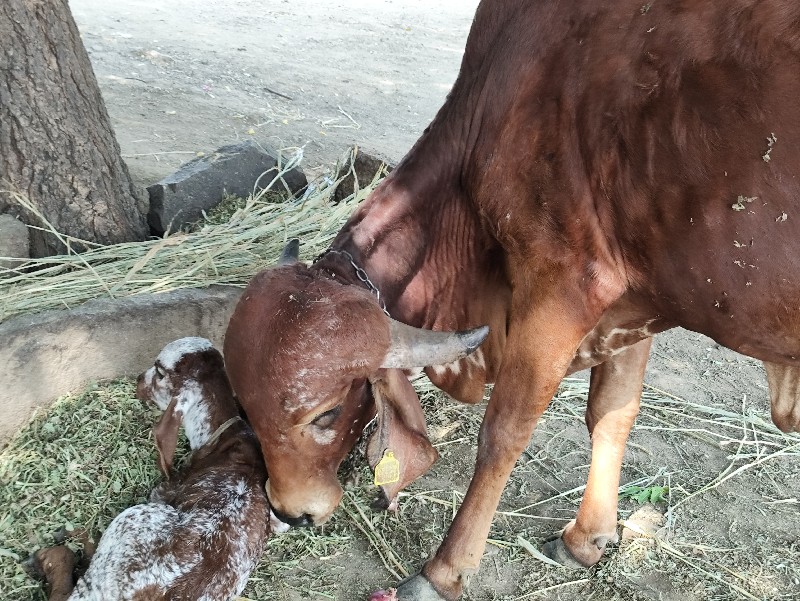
(417, 588)
(556, 550)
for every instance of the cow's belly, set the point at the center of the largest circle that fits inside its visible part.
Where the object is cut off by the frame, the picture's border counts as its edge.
(731, 275)
(767, 329)
(753, 310)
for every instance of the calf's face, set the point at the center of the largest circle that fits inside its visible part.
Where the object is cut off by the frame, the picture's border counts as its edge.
(188, 383)
(178, 363)
(312, 361)
(298, 353)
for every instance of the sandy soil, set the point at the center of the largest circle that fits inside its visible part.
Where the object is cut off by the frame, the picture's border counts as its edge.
(185, 76)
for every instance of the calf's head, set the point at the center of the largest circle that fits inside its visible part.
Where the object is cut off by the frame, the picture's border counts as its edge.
(312, 361)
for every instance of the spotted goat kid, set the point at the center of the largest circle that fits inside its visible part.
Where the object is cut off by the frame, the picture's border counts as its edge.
(204, 529)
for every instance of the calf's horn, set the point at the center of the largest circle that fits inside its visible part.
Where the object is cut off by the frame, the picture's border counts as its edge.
(291, 252)
(416, 347)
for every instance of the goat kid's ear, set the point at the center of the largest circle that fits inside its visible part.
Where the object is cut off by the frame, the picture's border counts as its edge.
(398, 451)
(165, 433)
(291, 252)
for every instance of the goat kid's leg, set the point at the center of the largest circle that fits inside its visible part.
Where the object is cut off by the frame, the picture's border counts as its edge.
(56, 565)
(538, 352)
(615, 391)
(83, 536)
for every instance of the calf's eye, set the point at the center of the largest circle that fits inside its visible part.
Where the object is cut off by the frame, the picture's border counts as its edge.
(325, 420)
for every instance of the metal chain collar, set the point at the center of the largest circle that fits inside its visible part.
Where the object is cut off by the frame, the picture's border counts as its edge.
(361, 275)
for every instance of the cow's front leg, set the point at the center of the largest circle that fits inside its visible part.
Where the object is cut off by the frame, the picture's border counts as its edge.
(537, 354)
(614, 394)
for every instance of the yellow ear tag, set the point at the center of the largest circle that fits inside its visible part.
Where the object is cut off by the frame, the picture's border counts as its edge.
(388, 469)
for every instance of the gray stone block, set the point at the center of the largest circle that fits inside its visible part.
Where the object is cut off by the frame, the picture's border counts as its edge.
(14, 241)
(365, 165)
(51, 354)
(181, 198)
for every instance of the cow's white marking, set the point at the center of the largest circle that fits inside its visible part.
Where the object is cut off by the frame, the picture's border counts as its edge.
(322, 437)
(474, 361)
(610, 343)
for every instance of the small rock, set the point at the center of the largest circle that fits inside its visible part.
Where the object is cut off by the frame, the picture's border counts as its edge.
(365, 165)
(180, 199)
(643, 523)
(14, 241)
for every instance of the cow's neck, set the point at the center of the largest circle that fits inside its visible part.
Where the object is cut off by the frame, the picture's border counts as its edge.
(399, 234)
(421, 244)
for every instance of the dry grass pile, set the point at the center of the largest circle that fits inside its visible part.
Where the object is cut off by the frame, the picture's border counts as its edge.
(227, 248)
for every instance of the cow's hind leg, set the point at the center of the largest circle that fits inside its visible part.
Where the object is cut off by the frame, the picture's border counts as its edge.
(784, 395)
(614, 394)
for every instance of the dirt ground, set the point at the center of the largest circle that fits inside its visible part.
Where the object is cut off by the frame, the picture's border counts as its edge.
(185, 76)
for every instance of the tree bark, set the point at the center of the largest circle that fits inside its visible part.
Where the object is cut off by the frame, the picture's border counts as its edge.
(57, 147)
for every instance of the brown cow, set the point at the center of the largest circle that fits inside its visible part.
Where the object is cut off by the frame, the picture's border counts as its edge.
(601, 171)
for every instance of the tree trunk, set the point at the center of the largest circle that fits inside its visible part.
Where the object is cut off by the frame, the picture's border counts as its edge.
(57, 147)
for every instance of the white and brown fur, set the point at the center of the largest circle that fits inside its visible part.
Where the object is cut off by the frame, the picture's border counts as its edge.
(205, 527)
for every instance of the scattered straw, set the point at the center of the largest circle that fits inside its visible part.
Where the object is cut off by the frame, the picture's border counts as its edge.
(359, 519)
(548, 589)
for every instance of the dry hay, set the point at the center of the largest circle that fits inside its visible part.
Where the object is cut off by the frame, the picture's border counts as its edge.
(90, 455)
(226, 248)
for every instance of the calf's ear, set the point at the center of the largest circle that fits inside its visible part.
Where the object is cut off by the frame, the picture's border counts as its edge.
(398, 451)
(165, 433)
